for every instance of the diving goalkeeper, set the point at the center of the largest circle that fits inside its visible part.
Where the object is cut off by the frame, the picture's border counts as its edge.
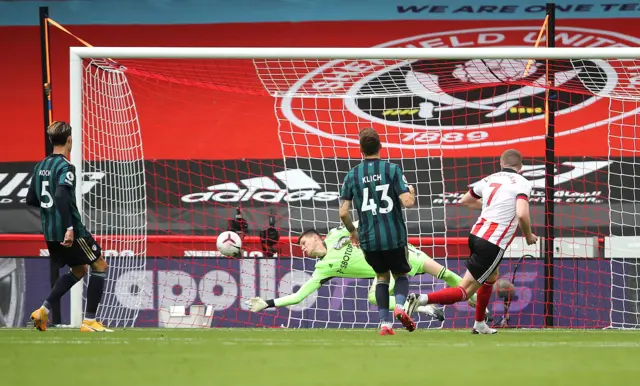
(338, 258)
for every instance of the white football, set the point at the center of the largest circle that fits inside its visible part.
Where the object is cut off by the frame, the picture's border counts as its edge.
(229, 243)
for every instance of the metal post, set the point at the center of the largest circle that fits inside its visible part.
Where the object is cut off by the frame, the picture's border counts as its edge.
(54, 269)
(549, 160)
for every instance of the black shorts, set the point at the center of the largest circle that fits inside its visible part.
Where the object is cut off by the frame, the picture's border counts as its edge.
(484, 259)
(83, 251)
(394, 260)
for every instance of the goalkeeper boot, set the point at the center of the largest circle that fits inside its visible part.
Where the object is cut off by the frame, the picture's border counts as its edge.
(39, 318)
(483, 328)
(386, 329)
(430, 310)
(92, 325)
(404, 318)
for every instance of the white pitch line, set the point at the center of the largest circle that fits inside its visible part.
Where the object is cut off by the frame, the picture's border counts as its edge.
(570, 344)
(61, 342)
(332, 342)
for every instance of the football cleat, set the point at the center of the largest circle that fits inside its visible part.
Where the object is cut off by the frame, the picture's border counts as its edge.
(386, 330)
(412, 304)
(39, 318)
(93, 326)
(430, 310)
(483, 328)
(404, 318)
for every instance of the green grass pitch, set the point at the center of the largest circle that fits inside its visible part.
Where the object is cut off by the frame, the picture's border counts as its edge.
(283, 357)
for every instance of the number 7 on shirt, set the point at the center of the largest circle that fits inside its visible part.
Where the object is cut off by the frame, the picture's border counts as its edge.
(495, 187)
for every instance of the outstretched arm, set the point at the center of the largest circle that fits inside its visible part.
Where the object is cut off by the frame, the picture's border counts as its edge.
(258, 304)
(470, 201)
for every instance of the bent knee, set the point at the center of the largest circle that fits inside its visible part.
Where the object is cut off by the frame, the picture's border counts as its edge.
(100, 265)
(493, 276)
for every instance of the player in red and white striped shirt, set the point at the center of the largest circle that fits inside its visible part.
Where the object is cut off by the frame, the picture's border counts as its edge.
(504, 200)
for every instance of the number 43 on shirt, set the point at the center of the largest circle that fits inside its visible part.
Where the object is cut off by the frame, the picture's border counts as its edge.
(369, 204)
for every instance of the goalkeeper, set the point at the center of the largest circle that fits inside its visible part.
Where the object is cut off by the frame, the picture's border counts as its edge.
(338, 258)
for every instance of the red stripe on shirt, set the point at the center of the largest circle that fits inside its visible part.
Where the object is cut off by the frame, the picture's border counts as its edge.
(477, 227)
(492, 228)
(505, 231)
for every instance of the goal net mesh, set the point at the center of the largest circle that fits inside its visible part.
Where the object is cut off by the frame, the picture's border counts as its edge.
(114, 188)
(422, 109)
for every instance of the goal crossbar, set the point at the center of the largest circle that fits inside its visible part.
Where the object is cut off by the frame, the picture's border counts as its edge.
(355, 52)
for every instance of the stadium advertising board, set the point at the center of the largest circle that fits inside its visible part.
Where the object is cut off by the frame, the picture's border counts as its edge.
(225, 284)
(306, 192)
(416, 125)
(18, 12)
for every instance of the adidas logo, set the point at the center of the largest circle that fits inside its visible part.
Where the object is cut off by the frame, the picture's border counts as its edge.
(286, 186)
(13, 187)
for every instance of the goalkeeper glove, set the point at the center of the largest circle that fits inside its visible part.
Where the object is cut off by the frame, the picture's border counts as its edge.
(256, 304)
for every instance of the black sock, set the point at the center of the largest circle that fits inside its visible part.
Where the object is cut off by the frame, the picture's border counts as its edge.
(382, 298)
(94, 293)
(401, 290)
(62, 286)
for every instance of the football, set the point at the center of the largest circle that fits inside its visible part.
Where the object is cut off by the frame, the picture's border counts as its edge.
(229, 243)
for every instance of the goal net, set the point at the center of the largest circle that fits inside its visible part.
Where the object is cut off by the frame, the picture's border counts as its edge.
(427, 105)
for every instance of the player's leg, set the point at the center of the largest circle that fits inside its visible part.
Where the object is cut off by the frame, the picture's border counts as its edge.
(63, 256)
(383, 276)
(476, 267)
(484, 268)
(427, 310)
(445, 296)
(96, 284)
(400, 267)
(484, 295)
(371, 296)
(452, 279)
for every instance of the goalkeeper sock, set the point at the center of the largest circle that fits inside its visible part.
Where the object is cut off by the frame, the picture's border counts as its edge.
(62, 286)
(484, 295)
(94, 293)
(401, 290)
(382, 298)
(449, 277)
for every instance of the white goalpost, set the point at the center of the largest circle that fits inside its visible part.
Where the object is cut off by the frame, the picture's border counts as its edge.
(111, 196)
(318, 135)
